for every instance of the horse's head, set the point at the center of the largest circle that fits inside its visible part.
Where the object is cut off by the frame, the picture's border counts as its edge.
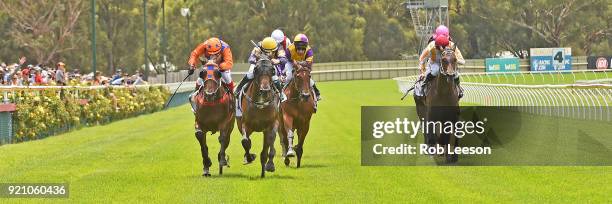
(264, 71)
(301, 82)
(212, 80)
(449, 61)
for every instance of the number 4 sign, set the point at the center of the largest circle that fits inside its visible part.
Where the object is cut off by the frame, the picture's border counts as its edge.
(558, 58)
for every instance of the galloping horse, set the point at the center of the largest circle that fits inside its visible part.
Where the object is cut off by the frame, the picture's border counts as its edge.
(441, 103)
(296, 113)
(214, 112)
(259, 105)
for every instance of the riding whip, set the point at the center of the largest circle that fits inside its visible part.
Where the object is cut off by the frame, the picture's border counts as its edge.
(177, 88)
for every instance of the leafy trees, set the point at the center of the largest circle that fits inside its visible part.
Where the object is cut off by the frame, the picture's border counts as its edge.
(47, 32)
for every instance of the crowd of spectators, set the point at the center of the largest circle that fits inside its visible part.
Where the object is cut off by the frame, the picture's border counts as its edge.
(20, 74)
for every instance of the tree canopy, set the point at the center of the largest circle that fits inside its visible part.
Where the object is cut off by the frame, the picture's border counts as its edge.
(353, 30)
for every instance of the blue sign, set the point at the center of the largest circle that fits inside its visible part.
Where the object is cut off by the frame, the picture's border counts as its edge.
(502, 64)
(551, 59)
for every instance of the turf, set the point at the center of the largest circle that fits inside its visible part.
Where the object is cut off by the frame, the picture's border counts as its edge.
(156, 158)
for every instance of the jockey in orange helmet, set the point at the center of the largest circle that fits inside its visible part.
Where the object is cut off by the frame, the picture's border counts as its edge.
(218, 51)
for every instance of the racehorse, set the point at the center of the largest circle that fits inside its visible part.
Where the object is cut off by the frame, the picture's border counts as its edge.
(296, 113)
(214, 112)
(259, 104)
(441, 103)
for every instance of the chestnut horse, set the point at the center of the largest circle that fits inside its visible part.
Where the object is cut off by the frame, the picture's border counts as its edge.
(214, 112)
(259, 105)
(441, 103)
(296, 113)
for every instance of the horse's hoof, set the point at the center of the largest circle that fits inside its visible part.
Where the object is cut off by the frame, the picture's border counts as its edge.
(290, 153)
(287, 161)
(206, 172)
(249, 158)
(224, 161)
(452, 158)
(270, 167)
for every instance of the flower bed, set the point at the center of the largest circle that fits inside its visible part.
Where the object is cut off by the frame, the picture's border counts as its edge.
(44, 112)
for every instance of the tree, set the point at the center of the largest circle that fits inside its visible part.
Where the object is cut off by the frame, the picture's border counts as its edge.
(44, 28)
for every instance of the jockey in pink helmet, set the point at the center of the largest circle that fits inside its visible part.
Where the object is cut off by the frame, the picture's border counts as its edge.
(440, 30)
(430, 58)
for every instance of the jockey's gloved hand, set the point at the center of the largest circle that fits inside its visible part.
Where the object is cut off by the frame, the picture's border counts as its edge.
(422, 75)
(191, 69)
(275, 61)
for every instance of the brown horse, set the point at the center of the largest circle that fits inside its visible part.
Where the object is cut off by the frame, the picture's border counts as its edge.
(296, 113)
(214, 112)
(259, 105)
(441, 103)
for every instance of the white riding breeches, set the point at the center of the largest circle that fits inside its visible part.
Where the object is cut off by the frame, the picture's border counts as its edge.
(288, 71)
(249, 73)
(226, 76)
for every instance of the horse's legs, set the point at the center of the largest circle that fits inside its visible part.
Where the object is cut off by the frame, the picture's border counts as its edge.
(299, 149)
(430, 132)
(263, 156)
(452, 158)
(270, 136)
(224, 139)
(246, 144)
(288, 124)
(201, 136)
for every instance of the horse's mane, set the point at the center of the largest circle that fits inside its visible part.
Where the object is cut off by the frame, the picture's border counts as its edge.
(263, 66)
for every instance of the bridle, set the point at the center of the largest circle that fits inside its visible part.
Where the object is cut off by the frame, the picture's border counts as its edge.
(296, 86)
(270, 96)
(444, 69)
(211, 69)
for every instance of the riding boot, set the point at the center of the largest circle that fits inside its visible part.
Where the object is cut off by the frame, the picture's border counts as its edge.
(190, 97)
(241, 84)
(459, 88)
(230, 87)
(279, 88)
(428, 77)
(317, 92)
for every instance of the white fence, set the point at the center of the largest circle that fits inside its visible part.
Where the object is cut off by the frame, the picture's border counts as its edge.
(580, 101)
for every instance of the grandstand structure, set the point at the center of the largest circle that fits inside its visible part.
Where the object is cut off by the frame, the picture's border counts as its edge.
(426, 15)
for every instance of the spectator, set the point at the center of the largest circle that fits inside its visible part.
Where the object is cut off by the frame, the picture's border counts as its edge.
(116, 76)
(97, 78)
(26, 71)
(60, 74)
(17, 79)
(137, 78)
(38, 78)
(121, 81)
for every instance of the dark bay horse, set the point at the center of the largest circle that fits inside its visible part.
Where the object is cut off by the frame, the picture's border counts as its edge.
(260, 108)
(214, 112)
(441, 103)
(296, 113)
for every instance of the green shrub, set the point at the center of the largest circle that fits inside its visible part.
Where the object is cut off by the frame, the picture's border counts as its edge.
(45, 112)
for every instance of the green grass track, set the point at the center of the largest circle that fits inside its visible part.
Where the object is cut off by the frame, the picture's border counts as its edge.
(156, 159)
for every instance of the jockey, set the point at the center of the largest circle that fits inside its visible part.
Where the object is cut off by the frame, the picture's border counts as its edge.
(281, 39)
(440, 30)
(269, 47)
(300, 55)
(217, 51)
(433, 54)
